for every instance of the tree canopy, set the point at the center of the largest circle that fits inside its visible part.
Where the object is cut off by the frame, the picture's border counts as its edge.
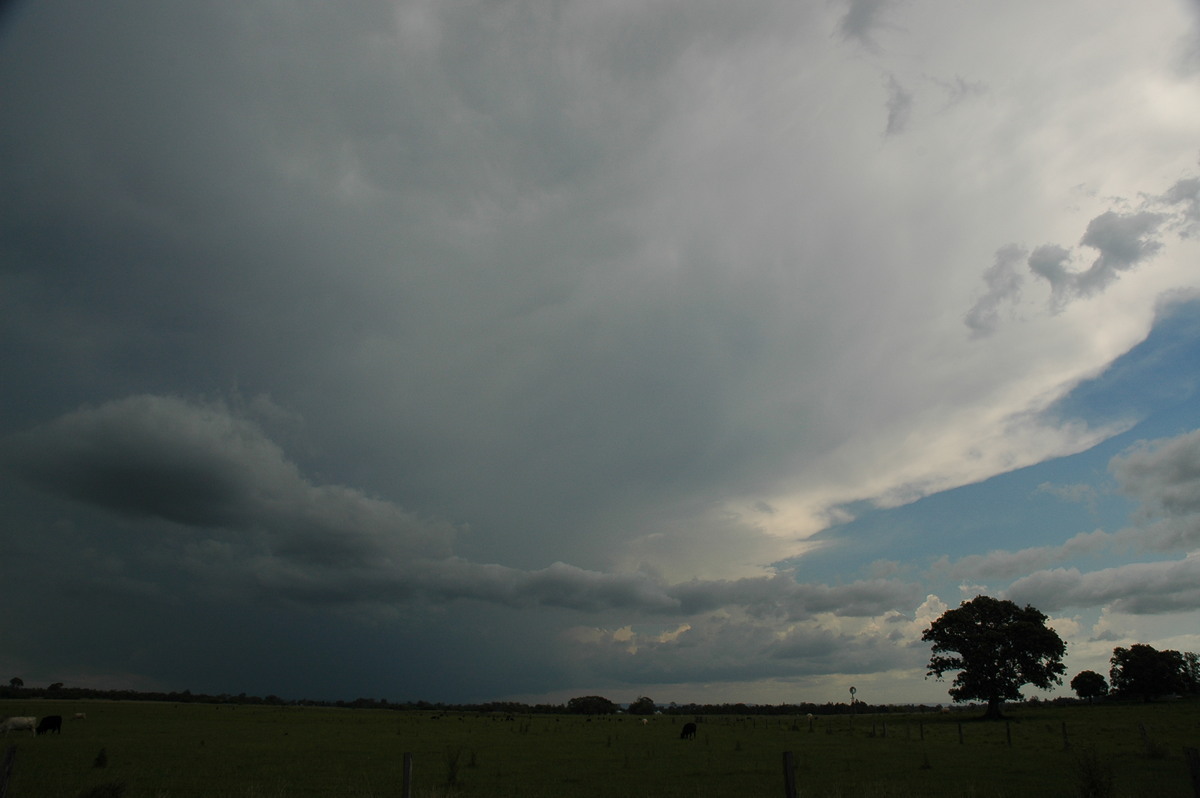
(591, 705)
(643, 706)
(997, 647)
(1145, 671)
(1089, 685)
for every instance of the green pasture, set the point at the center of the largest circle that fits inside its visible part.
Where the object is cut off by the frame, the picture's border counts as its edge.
(160, 750)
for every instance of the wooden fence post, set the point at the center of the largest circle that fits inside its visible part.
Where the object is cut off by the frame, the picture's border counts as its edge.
(960, 739)
(1066, 740)
(406, 791)
(6, 769)
(1193, 762)
(789, 775)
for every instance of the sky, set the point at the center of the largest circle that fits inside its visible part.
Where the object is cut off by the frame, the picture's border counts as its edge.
(465, 350)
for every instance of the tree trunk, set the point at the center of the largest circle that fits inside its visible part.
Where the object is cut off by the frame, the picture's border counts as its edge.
(993, 709)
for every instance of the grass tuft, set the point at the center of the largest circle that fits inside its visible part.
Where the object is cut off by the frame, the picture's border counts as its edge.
(1094, 775)
(109, 789)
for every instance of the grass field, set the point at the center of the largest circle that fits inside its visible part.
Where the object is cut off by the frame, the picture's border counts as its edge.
(157, 750)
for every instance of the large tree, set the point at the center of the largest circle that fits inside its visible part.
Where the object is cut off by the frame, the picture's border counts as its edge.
(591, 705)
(643, 706)
(997, 647)
(1145, 671)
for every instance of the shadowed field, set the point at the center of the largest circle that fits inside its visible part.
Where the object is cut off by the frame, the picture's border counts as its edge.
(155, 750)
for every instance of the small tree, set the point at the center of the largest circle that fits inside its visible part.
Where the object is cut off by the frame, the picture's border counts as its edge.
(997, 647)
(643, 706)
(16, 682)
(1089, 685)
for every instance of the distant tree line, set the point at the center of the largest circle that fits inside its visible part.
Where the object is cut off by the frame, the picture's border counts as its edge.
(1139, 672)
(1142, 672)
(584, 705)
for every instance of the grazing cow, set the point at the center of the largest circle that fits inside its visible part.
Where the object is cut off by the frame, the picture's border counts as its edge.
(18, 724)
(80, 716)
(689, 731)
(645, 721)
(50, 723)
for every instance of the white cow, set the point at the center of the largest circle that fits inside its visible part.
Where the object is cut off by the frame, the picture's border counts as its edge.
(18, 724)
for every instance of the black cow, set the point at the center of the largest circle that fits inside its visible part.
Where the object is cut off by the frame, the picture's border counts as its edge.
(50, 723)
(689, 731)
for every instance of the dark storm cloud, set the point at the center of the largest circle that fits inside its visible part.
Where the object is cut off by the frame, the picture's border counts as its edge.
(899, 107)
(255, 520)
(202, 467)
(1163, 474)
(1003, 287)
(861, 21)
(1123, 240)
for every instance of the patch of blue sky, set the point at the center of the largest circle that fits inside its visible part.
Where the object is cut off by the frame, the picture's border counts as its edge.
(1152, 387)
(1154, 384)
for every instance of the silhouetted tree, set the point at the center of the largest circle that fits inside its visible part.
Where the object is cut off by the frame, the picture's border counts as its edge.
(1089, 685)
(997, 647)
(591, 705)
(1191, 671)
(643, 706)
(1145, 671)
(16, 682)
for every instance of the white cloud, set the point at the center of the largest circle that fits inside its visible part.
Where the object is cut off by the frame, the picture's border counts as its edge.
(1137, 588)
(1002, 565)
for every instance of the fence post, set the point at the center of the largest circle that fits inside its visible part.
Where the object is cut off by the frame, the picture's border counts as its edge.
(6, 769)
(789, 775)
(406, 791)
(960, 740)
(1193, 762)
(1066, 740)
